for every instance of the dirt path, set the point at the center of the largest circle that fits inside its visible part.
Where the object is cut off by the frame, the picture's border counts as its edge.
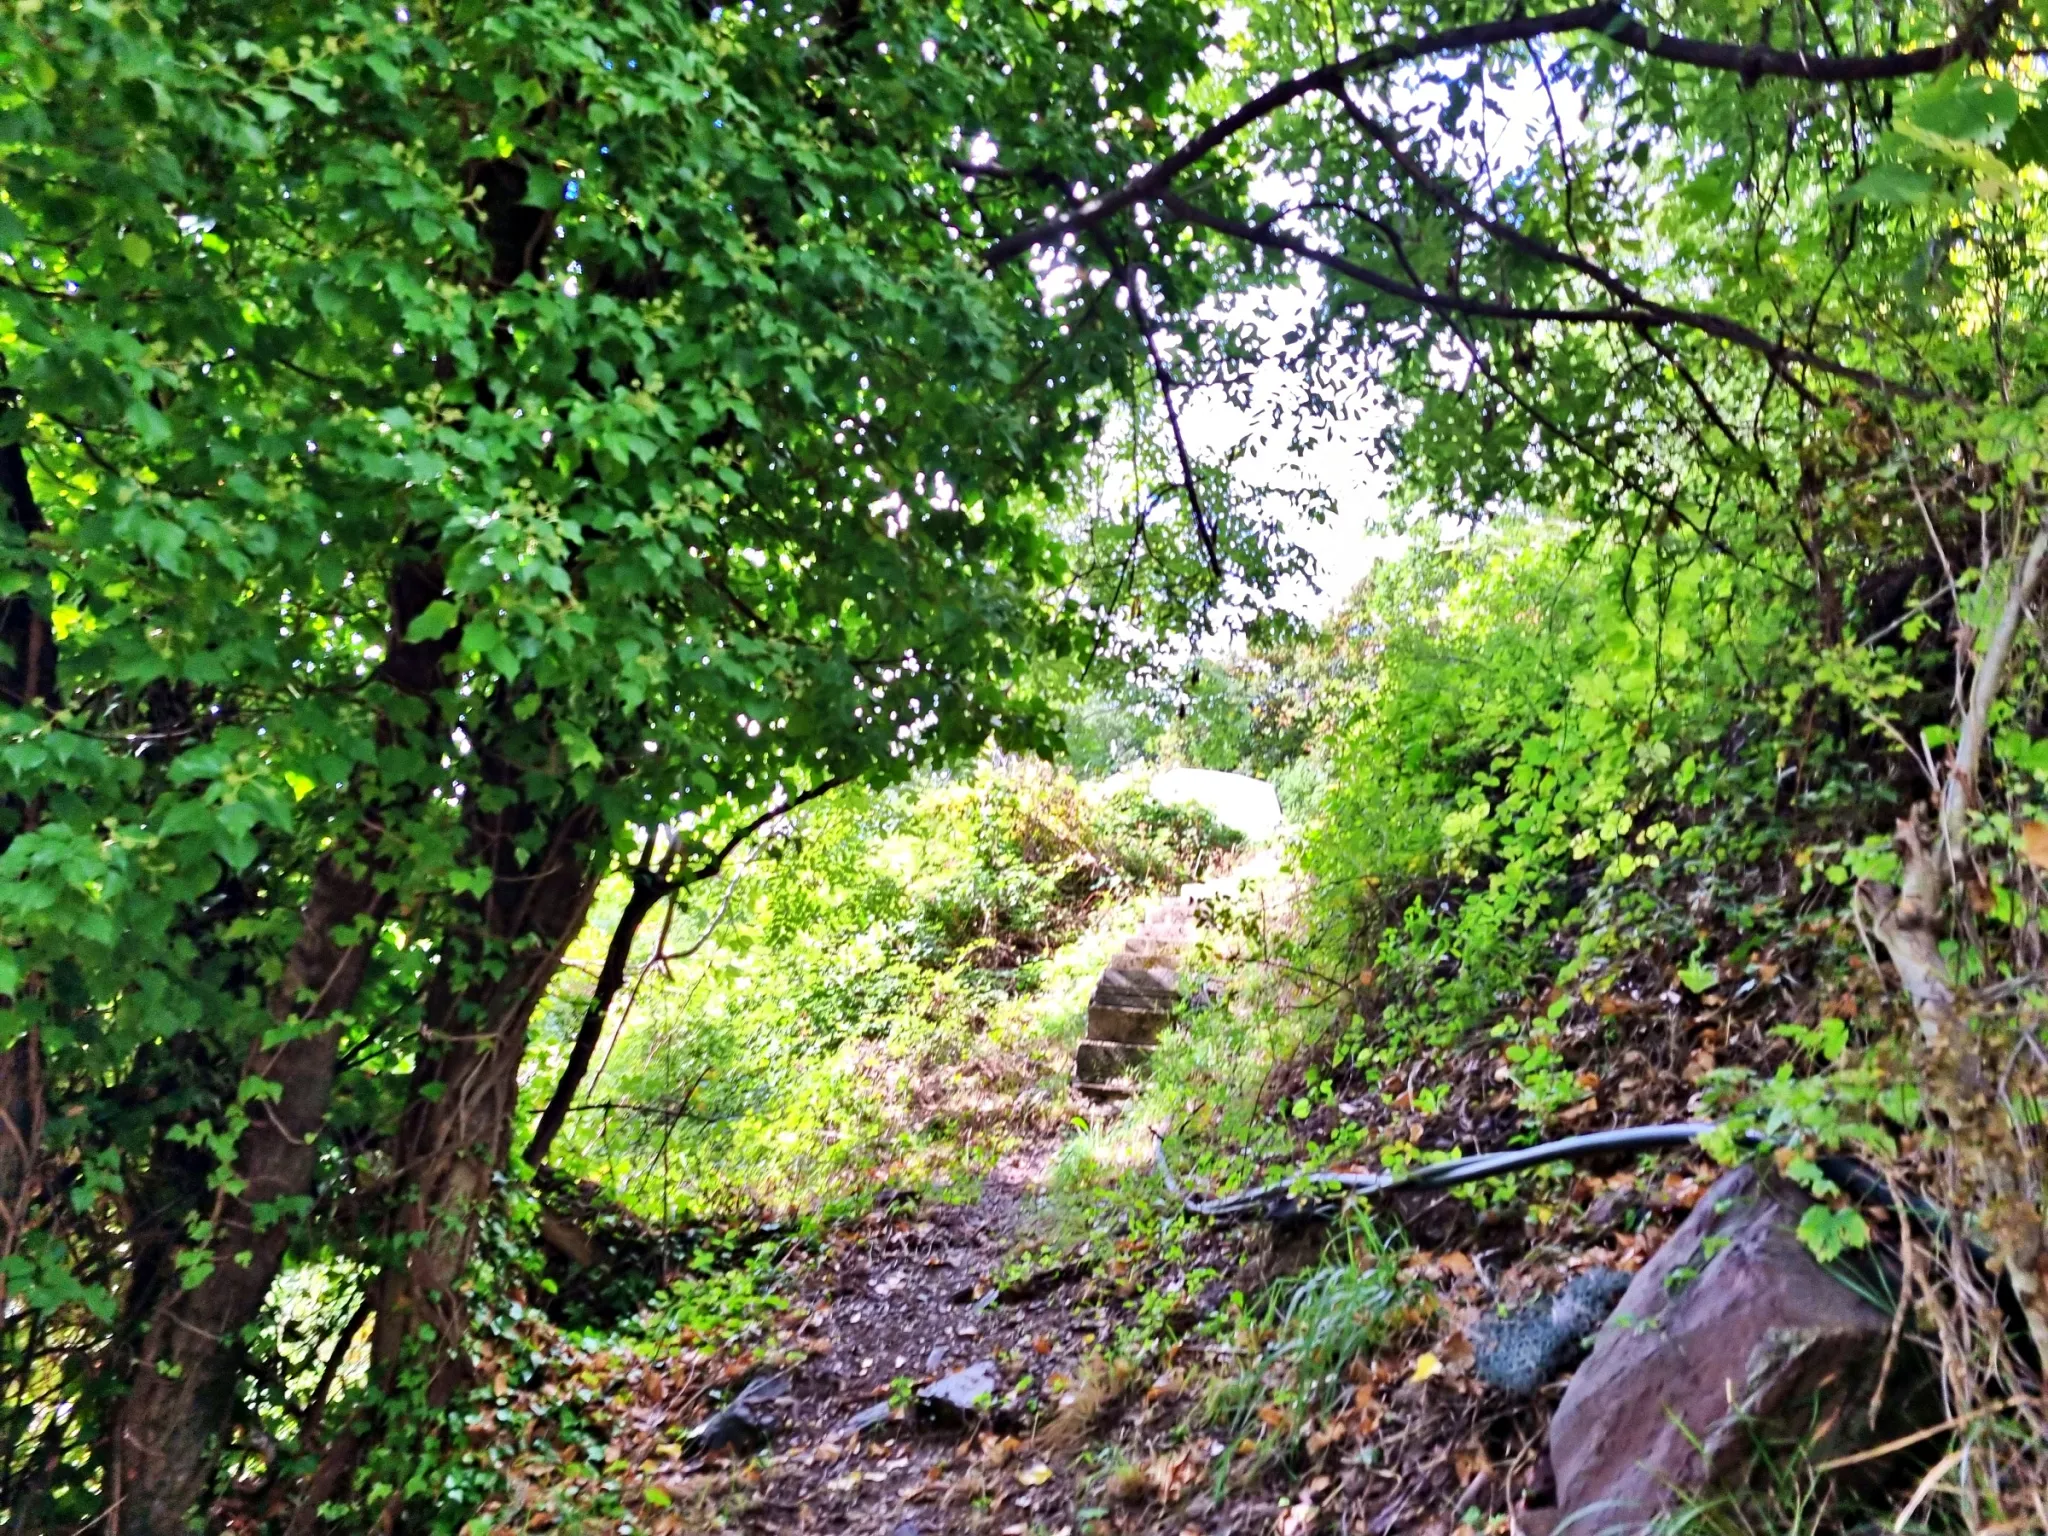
(912, 1295)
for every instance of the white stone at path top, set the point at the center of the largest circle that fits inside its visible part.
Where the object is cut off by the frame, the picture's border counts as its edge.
(1246, 804)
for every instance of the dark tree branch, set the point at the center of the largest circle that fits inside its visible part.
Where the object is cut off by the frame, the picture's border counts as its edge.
(1512, 235)
(1608, 19)
(316, 1405)
(24, 628)
(1205, 530)
(649, 890)
(1646, 316)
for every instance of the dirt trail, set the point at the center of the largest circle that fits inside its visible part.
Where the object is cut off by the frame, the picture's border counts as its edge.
(912, 1294)
(920, 1290)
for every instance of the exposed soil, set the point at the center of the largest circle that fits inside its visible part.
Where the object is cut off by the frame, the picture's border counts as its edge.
(920, 1289)
(910, 1295)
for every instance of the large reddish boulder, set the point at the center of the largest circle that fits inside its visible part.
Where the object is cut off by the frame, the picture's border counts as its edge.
(1731, 1333)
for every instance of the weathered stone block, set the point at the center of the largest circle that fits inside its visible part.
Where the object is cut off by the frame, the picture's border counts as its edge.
(1127, 1026)
(1105, 1063)
(1143, 950)
(1128, 986)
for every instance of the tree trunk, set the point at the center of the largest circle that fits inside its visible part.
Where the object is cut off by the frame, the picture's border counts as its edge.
(21, 1137)
(1992, 1158)
(647, 893)
(456, 1132)
(30, 680)
(183, 1385)
(457, 1129)
(24, 627)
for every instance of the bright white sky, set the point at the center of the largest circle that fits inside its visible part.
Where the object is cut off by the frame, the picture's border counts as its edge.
(1355, 536)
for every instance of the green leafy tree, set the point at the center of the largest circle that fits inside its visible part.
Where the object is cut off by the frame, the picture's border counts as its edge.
(1706, 275)
(442, 444)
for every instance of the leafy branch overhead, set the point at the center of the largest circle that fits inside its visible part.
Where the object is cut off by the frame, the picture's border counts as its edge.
(479, 483)
(1464, 201)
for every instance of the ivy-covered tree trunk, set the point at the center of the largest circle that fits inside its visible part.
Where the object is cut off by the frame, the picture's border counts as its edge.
(22, 1112)
(183, 1382)
(456, 1134)
(181, 1389)
(28, 678)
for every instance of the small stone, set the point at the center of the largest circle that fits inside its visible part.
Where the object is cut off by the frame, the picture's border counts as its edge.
(965, 1394)
(742, 1423)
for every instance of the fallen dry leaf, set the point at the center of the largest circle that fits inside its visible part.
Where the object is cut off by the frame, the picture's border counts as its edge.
(1426, 1367)
(2034, 843)
(1170, 1477)
(1297, 1519)
(1038, 1472)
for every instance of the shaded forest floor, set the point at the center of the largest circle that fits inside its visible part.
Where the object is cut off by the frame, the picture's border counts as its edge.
(1143, 1371)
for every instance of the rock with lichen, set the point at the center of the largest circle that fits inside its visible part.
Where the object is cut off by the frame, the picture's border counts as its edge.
(1520, 1352)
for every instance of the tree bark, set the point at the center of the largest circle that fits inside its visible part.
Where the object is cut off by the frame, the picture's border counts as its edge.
(30, 682)
(183, 1385)
(21, 1136)
(456, 1131)
(647, 894)
(1991, 1158)
(457, 1127)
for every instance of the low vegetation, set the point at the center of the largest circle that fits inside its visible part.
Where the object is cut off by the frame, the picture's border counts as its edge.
(590, 599)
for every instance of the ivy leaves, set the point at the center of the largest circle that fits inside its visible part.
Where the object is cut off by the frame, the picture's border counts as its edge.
(1960, 121)
(459, 436)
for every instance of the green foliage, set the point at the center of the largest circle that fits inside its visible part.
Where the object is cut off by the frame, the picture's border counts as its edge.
(1547, 760)
(1300, 1338)
(1251, 714)
(456, 436)
(442, 448)
(866, 953)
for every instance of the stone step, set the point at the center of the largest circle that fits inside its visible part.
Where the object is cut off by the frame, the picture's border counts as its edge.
(1175, 944)
(1100, 1064)
(1133, 986)
(1140, 948)
(1134, 999)
(1127, 1026)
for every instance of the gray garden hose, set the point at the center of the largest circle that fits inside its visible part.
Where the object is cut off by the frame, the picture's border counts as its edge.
(1292, 1199)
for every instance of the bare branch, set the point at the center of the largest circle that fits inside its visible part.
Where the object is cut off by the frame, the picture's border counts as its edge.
(1609, 19)
(1961, 788)
(649, 890)
(1205, 531)
(1644, 316)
